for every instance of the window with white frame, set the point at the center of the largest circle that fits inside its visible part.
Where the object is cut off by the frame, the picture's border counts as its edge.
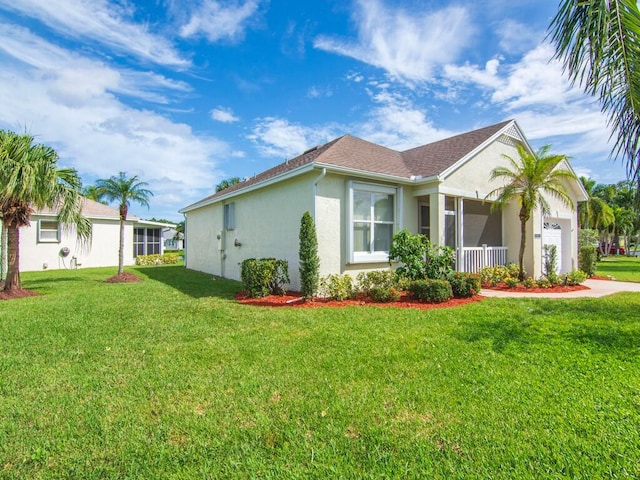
(373, 215)
(48, 231)
(229, 216)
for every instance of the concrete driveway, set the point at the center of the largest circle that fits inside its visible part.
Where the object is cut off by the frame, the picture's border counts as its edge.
(597, 288)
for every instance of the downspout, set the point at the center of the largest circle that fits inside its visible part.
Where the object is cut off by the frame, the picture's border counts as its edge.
(184, 242)
(315, 193)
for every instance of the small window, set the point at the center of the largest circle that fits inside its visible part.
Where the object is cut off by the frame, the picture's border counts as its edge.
(229, 214)
(48, 231)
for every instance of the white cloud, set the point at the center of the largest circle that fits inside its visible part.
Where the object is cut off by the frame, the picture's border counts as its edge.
(516, 37)
(319, 92)
(276, 137)
(102, 21)
(72, 104)
(397, 123)
(408, 45)
(217, 21)
(224, 115)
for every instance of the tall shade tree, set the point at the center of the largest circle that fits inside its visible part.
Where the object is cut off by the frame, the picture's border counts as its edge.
(527, 179)
(123, 190)
(597, 43)
(92, 193)
(30, 179)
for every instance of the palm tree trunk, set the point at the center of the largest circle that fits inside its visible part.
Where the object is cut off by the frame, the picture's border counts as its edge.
(524, 218)
(3, 253)
(13, 259)
(121, 251)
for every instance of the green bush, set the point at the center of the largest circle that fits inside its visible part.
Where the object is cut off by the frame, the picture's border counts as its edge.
(308, 254)
(338, 287)
(587, 237)
(529, 282)
(575, 277)
(264, 276)
(587, 258)
(164, 259)
(384, 294)
(491, 276)
(431, 291)
(376, 279)
(465, 285)
(440, 262)
(411, 251)
(543, 282)
(511, 282)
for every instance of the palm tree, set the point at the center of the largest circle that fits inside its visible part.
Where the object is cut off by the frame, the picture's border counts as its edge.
(123, 190)
(30, 179)
(594, 213)
(526, 179)
(229, 182)
(92, 193)
(597, 42)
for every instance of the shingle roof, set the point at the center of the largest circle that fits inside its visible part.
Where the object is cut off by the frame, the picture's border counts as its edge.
(434, 158)
(348, 152)
(92, 209)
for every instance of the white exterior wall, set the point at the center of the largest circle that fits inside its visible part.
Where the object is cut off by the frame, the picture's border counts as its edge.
(267, 224)
(102, 252)
(471, 180)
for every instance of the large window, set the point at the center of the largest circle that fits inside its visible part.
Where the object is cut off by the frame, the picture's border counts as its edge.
(48, 231)
(373, 213)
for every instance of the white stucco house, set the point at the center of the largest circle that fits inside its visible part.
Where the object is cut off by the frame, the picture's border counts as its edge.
(46, 245)
(360, 193)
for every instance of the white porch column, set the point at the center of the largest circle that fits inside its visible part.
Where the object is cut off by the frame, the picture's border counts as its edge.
(436, 220)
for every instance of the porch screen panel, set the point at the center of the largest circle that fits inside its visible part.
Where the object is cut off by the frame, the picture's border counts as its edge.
(153, 241)
(481, 226)
(138, 241)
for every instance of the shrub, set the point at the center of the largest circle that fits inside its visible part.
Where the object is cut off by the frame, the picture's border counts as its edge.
(440, 262)
(543, 282)
(338, 287)
(491, 276)
(385, 279)
(430, 290)
(529, 282)
(587, 258)
(550, 261)
(383, 294)
(411, 250)
(309, 260)
(511, 282)
(464, 285)
(575, 277)
(164, 259)
(587, 237)
(264, 276)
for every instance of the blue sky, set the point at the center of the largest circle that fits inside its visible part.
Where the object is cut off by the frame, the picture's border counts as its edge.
(185, 94)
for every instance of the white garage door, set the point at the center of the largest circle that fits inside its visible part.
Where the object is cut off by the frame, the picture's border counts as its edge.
(552, 235)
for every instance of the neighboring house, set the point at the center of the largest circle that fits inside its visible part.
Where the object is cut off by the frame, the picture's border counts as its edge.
(361, 193)
(48, 245)
(172, 240)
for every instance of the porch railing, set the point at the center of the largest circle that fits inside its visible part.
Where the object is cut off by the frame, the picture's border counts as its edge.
(475, 258)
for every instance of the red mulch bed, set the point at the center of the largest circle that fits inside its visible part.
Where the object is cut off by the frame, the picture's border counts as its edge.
(599, 277)
(124, 277)
(294, 300)
(520, 288)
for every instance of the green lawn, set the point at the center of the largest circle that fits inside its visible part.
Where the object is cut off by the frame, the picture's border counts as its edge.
(170, 378)
(621, 268)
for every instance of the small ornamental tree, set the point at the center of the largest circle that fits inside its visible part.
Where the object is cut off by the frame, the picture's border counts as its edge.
(309, 261)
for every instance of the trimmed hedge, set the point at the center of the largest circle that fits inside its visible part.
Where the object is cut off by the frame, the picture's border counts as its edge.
(465, 285)
(587, 258)
(264, 276)
(431, 291)
(164, 259)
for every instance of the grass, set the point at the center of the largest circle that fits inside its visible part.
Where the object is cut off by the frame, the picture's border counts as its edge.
(170, 378)
(624, 269)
